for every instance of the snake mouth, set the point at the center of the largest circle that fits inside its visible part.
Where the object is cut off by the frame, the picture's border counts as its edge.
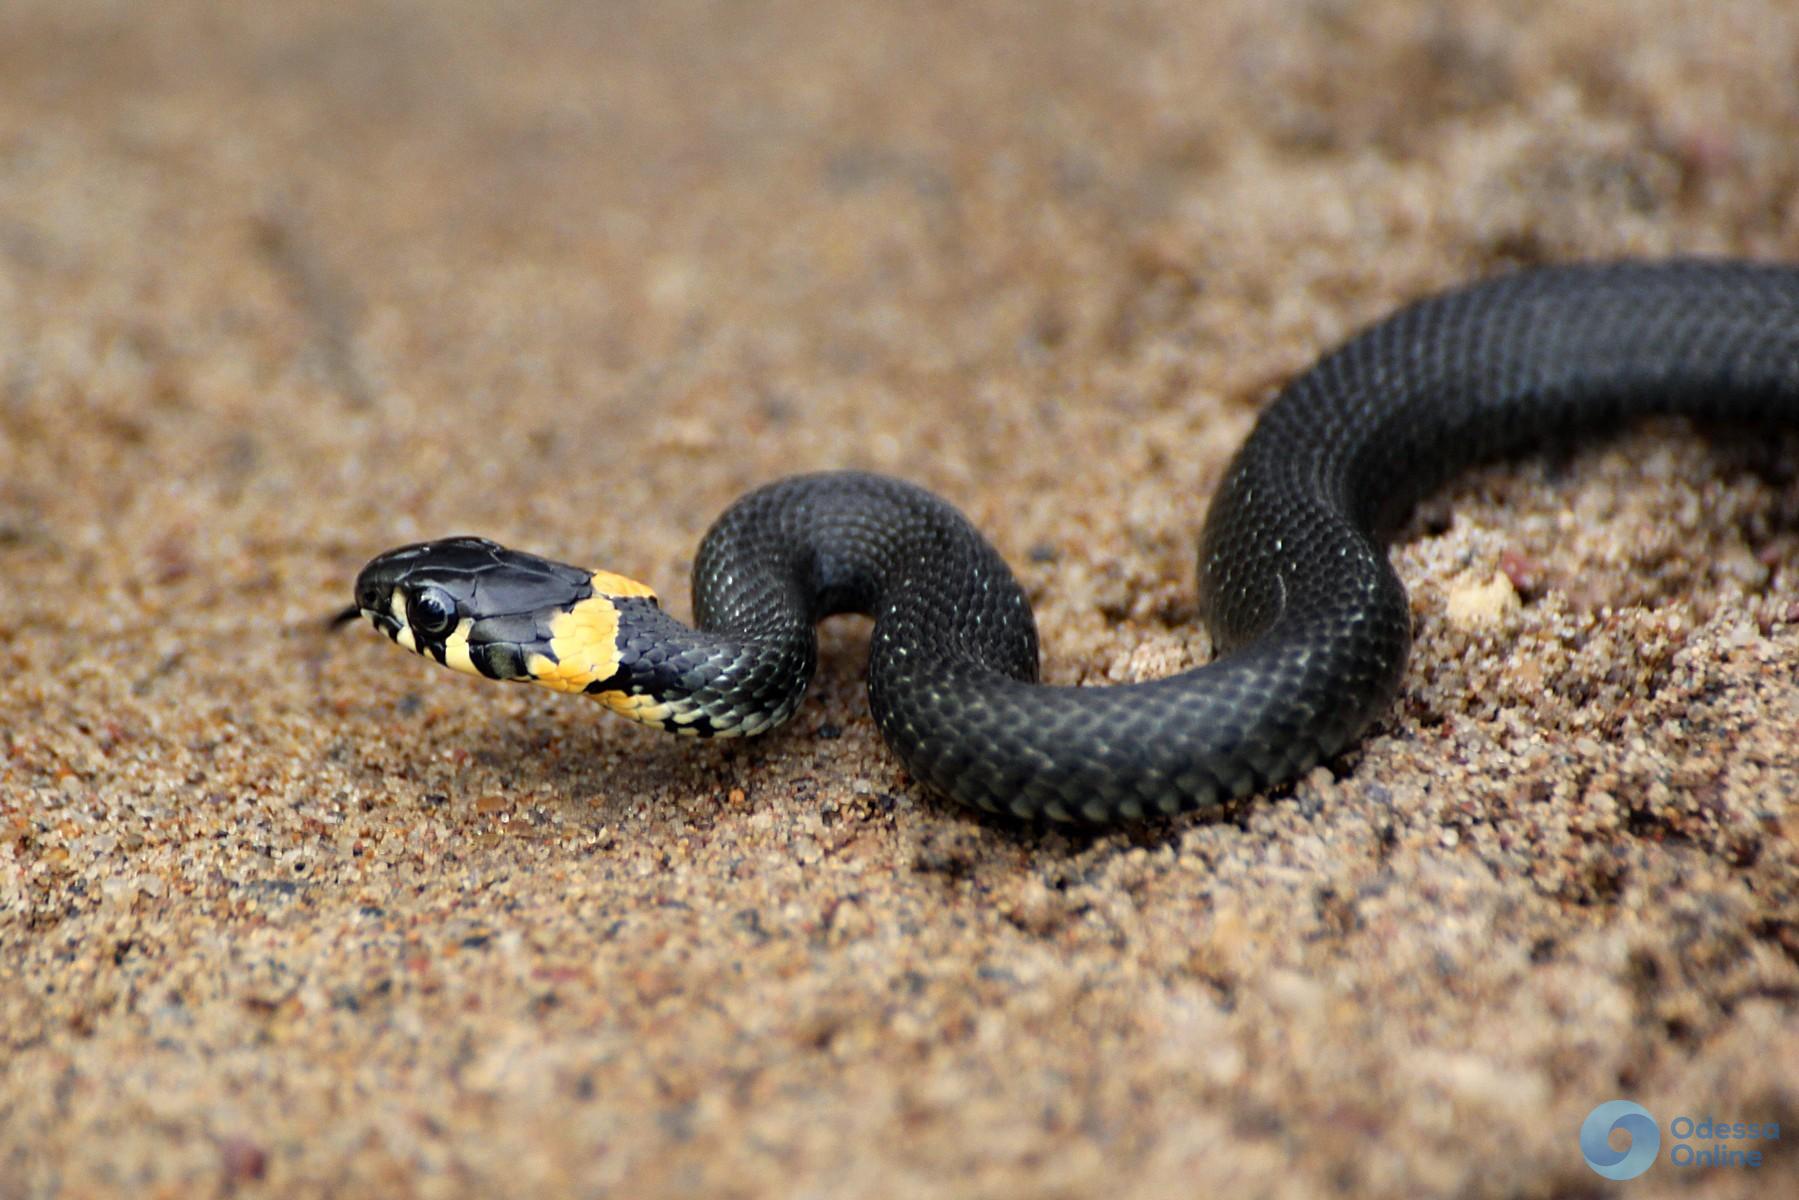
(384, 622)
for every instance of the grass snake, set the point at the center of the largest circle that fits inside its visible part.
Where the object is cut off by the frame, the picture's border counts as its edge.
(1310, 622)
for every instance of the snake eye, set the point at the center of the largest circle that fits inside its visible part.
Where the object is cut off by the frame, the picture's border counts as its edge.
(431, 612)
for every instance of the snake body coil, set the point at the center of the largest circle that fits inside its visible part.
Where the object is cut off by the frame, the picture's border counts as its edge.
(1310, 621)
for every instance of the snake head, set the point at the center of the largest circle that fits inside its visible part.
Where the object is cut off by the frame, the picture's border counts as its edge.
(477, 607)
(471, 604)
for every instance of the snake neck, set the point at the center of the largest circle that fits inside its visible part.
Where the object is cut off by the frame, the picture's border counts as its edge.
(702, 683)
(784, 557)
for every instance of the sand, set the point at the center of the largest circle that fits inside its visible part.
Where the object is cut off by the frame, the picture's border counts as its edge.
(290, 914)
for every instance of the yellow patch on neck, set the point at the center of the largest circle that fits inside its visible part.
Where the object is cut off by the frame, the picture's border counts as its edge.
(584, 641)
(605, 583)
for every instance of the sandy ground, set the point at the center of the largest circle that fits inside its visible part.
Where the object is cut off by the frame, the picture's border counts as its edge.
(290, 914)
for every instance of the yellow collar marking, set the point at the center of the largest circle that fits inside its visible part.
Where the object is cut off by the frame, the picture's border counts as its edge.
(605, 583)
(647, 709)
(584, 641)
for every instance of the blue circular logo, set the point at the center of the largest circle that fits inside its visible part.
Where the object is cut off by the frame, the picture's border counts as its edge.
(1596, 1144)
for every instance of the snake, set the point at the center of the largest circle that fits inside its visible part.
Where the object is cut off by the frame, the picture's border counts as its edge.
(1311, 626)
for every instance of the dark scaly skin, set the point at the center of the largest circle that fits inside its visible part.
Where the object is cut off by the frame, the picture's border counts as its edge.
(1310, 621)
(953, 657)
